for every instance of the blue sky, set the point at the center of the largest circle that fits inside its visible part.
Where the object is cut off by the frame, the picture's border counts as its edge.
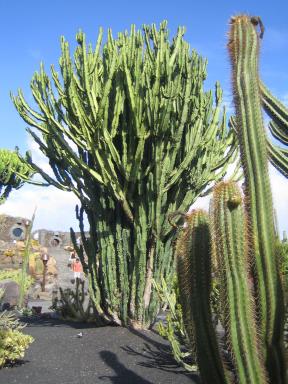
(31, 31)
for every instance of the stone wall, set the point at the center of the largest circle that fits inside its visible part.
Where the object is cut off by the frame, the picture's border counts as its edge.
(13, 228)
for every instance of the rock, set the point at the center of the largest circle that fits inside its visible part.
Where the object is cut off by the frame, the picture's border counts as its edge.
(11, 293)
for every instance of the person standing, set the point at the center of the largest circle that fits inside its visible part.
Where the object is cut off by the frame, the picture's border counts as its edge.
(77, 269)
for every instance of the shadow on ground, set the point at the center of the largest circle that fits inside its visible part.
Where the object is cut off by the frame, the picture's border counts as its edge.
(107, 354)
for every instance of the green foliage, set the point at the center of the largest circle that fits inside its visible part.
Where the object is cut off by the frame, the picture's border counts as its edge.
(16, 275)
(13, 342)
(14, 172)
(243, 246)
(128, 129)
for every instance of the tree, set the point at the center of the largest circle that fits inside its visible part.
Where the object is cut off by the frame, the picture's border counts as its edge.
(130, 130)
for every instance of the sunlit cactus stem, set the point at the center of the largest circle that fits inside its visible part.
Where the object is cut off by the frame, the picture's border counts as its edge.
(244, 51)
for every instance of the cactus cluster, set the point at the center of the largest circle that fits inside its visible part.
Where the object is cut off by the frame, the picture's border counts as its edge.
(128, 128)
(239, 238)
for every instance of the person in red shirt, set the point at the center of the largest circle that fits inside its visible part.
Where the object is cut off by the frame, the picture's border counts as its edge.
(77, 268)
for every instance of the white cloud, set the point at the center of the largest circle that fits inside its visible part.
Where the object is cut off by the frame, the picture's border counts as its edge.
(55, 208)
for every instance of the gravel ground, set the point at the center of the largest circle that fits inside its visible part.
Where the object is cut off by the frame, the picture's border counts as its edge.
(102, 355)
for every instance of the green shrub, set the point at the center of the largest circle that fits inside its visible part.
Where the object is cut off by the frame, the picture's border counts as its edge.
(15, 275)
(13, 344)
(12, 341)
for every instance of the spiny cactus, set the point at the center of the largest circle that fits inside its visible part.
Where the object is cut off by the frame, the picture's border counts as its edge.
(132, 133)
(244, 239)
(14, 172)
(244, 51)
(194, 276)
(230, 239)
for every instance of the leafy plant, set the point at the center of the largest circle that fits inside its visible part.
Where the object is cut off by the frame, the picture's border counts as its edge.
(16, 275)
(13, 342)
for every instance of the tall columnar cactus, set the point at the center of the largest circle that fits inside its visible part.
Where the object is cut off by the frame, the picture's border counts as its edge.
(244, 240)
(132, 133)
(14, 172)
(244, 51)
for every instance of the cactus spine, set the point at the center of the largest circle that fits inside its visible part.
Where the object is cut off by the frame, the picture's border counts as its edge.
(244, 239)
(132, 133)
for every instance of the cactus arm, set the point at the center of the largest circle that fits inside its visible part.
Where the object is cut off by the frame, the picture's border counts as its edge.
(278, 133)
(277, 111)
(231, 248)
(244, 49)
(278, 158)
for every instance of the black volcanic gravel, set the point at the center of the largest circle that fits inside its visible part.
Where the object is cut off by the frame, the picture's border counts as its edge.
(102, 355)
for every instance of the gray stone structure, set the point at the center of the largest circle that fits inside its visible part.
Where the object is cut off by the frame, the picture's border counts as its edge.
(13, 228)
